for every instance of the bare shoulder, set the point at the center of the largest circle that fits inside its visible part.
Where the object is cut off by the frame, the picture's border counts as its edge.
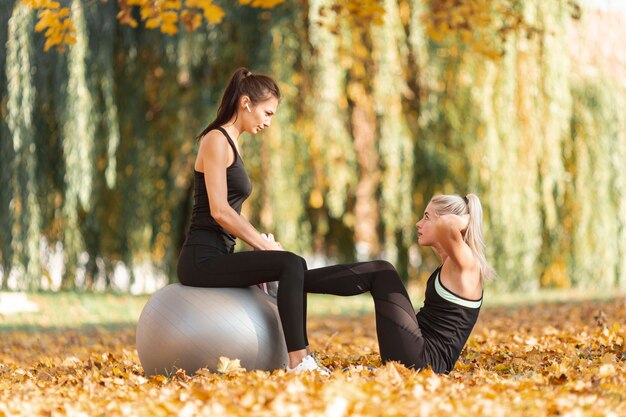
(214, 148)
(462, 279)
(213, 140)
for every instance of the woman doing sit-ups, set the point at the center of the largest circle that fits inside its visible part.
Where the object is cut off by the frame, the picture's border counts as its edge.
(435, 336)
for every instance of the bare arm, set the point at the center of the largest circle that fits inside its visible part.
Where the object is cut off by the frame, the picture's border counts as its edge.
(448, 230)
(460, 271)
(214, 158)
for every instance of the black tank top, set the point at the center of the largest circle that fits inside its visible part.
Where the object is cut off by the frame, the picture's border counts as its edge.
(204, 230)
(446, 321)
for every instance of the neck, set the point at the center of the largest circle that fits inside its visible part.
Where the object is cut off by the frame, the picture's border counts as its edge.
(440, 253)
(234, 127)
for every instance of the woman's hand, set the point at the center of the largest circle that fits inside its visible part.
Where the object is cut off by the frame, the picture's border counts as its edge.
(272, 244)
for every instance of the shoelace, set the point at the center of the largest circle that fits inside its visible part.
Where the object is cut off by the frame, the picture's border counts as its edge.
(359, 368)
(319, 363)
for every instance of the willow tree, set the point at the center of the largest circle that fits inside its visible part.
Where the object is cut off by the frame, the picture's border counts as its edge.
(383, 105)
(364, 127)
(595, 159)
(553, 113)
(396, 141)
(26, 230)
(78, 145)
(288, 165)
(493, 124)
(332, 153)
(7, 153)
(618, 194)
(57, 22)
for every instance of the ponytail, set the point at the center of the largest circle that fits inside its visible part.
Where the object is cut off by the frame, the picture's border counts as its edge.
(258, 87)
(473, 235)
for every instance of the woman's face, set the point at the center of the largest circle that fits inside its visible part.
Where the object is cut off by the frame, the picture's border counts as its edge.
(426, 227)
(257, 117)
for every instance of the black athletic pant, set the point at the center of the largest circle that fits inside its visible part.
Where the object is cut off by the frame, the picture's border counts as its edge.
(201, 266)
(399, 335)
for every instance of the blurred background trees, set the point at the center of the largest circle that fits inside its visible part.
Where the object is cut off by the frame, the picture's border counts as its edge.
(386, 102)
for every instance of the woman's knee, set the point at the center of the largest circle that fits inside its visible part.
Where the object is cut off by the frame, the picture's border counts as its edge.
(385, 278)
(383, 270)
(293, 264)
(303, 261)
(381, 265)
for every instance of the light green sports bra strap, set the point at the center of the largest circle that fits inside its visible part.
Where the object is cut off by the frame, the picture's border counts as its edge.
(447, 295)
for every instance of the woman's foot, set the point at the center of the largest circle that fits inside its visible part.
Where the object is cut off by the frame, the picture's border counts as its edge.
(309, 364)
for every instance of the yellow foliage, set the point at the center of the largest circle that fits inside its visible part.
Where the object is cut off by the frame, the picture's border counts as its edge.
(191, 19)
(69, 39)
(555, 275)
(229, 366)
(169, 29)
(190, 4)
(39, 4)
(360, 13)
(172, 4)
(267, 4)
(156, 14)
(545, 359)
(169, 17)
(316, 200)
(148, 14)
(213, 14)
(483, 25)
(477, 22)
(46, 19)
(153, 23)
(54, 21)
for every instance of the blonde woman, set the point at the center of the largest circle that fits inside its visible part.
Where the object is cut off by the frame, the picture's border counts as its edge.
(435, 336)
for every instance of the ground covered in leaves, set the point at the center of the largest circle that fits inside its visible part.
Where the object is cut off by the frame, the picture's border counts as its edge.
(541, 360)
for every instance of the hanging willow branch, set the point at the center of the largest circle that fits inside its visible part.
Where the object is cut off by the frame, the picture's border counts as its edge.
(485, 25)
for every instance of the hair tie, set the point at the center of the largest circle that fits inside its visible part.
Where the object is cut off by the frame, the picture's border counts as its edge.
(247, 74)
(466, 200)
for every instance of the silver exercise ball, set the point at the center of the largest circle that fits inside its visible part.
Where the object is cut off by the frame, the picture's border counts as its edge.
(190, 328)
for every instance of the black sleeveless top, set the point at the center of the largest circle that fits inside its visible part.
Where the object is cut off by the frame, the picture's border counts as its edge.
(204, 230)
(446, 321)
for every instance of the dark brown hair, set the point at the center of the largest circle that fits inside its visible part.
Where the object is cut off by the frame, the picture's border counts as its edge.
(258, 87)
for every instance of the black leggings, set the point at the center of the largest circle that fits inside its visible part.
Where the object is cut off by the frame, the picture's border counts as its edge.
(201, 266)
(399, 335)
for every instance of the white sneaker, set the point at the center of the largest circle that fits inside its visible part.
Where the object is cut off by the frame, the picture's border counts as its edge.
(309, 364)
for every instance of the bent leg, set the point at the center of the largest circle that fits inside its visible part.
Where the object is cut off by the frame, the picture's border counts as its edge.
(399, 335)
(244, 269)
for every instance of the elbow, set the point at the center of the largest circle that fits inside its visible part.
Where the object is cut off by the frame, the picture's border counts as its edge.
(218, 214)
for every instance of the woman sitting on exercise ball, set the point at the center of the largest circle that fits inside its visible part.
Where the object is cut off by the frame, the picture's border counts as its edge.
(221, 185)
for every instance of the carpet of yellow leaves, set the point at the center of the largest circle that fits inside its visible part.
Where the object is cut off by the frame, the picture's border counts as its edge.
(542, 360)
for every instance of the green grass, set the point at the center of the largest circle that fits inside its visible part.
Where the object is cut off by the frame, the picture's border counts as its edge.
(77, 309)
(550, 296)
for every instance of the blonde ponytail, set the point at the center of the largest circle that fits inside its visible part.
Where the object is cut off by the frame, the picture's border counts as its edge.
(474, 236)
